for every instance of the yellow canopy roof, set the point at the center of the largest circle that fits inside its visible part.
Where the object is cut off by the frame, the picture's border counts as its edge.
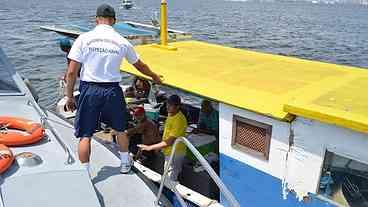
(263, 83)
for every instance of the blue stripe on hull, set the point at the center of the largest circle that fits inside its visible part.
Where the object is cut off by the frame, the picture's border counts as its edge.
(254, 188)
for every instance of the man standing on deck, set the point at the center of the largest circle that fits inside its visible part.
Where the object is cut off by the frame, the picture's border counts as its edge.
(101, 52)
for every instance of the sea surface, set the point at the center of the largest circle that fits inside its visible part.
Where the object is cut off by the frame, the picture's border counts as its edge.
(330, 33)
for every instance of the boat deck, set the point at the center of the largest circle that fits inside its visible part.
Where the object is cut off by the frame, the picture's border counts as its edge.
(113, 189)
(43, 184)
(54, 178)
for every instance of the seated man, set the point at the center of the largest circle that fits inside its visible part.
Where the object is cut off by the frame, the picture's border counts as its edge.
(129, 92)
(142, 88)
(208, 119)
(175, 126)
(150, 135)
(129, 96)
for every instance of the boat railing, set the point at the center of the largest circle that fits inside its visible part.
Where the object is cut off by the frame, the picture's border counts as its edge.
(45, 123)
(223, 189)
(173, 33)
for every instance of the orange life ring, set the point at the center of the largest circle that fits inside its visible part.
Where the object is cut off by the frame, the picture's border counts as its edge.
(6, 158)
(27, 132)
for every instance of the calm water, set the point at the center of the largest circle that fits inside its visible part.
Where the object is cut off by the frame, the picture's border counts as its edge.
(332, 33)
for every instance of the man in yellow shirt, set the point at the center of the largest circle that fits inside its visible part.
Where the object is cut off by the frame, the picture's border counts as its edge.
(175, 126)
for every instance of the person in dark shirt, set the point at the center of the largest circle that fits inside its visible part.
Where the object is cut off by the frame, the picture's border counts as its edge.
(65, 46)
(150, 135)
(129, 92)
(142, 88)
(208, 119)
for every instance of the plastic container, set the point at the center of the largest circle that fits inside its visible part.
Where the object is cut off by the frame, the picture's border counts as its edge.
(204, 143)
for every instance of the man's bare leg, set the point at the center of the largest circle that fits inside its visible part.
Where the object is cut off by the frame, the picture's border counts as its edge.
(84, 151)
(123, 141)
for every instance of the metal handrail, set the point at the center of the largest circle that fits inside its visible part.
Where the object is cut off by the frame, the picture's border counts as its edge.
(45, 122)
(227, 194)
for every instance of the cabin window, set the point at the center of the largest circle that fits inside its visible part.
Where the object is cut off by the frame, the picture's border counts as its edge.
(251, 137)
(344, 180)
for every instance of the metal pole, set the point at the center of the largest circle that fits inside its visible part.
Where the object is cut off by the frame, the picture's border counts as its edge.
(228, 195)
(163, 23)
(45, 122)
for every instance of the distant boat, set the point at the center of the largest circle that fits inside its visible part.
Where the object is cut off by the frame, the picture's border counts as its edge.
(126, 4)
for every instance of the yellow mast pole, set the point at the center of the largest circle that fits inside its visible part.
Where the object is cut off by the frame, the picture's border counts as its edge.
(164, 35)
(163, 23)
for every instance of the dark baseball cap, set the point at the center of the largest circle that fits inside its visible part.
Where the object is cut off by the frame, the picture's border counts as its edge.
(105, 10)
(174, 100)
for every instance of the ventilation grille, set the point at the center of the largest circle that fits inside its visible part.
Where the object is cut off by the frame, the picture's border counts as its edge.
(251, 135)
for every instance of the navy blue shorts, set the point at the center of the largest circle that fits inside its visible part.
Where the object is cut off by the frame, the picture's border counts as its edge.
(100, 101)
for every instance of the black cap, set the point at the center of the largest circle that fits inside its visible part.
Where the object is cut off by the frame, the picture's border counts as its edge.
(105, 10)
(174, 100)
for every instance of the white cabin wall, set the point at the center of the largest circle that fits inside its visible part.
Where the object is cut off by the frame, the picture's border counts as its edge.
(279, 145)
(311, 140)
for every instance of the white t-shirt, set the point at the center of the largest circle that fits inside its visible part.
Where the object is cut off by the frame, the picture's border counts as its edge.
(101, 52)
